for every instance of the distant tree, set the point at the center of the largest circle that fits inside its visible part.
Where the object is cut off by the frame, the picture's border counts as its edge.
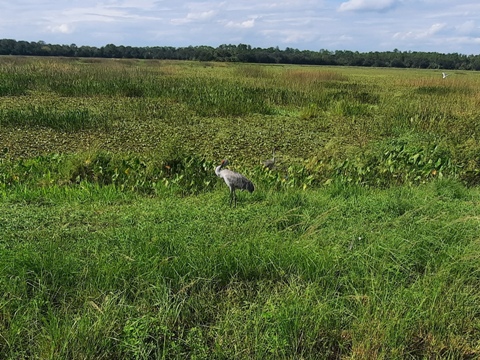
(109, 51)
(7, 46)
(22, 48)
(398, 63)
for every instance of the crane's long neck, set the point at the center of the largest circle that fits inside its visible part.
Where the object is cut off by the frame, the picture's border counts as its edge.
(218, 169)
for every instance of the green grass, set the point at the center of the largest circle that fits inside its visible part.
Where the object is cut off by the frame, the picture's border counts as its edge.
(93, 272)
(322, 115)
(117, 240)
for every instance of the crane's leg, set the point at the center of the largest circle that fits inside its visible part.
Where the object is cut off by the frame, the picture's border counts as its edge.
(232, 193)
(234, 198)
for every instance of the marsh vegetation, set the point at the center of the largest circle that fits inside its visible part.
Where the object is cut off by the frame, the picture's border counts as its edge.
(117, 240)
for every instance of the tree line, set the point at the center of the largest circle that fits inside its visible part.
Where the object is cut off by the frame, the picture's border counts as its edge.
(247, 53)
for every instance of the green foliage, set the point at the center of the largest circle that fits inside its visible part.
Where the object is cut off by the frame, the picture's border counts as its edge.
(338, 272)
(396, 163)
(129, 173)
(187, 175)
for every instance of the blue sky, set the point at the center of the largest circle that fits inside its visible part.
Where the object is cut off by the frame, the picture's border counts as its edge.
(445, 26)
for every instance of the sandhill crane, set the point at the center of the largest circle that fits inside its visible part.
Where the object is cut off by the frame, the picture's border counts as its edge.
(444, 75)
(233, 180)
(270, 163)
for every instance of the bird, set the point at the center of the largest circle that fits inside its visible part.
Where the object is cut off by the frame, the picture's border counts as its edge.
(444, 75)
(233, 180)
(270, 163)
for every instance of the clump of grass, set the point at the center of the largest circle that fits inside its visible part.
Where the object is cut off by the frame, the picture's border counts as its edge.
(66, 120)
(253, 71)
(213, 97)
(307, 77)
(16, 84)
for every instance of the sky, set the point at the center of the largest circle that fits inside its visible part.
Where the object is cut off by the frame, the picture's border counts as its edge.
(444, 26)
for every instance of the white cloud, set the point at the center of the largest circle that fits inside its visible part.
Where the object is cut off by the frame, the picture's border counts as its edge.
(466, 40)
(420, 34)
(345, 38)
(289, 36)
(468, 27)
(204, 15)
(194, 16)
(298, 36)
(367, 5)
(242, 25)
(62, 28)
(134, 4)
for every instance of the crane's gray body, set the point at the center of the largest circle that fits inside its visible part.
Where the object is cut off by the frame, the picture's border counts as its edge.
(234, 181)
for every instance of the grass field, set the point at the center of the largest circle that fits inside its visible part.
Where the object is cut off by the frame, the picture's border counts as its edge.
(117, 240)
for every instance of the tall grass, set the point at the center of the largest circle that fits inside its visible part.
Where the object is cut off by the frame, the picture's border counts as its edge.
(94, 272)
(64, 120)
